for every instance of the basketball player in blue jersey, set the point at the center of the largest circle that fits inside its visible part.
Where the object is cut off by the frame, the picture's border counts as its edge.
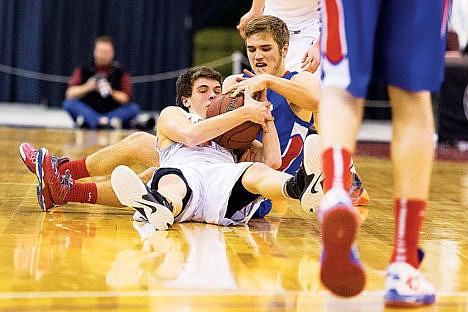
(294, 96)
(401, 43)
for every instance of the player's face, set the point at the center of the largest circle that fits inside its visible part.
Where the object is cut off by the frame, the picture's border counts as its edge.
(264, 54)
(103, 53)
(204, 90)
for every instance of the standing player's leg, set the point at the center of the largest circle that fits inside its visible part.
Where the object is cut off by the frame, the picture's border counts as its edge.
(412, 152)
(347, 47)
(341, 271)
(410, 79)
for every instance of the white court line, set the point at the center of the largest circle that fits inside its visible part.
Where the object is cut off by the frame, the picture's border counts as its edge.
(159, 293)
(187, 293)
(15, 183)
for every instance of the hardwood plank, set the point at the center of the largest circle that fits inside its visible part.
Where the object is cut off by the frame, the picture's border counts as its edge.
(84, 257)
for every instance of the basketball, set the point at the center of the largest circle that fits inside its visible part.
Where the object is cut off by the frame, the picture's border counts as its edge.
(239, 137)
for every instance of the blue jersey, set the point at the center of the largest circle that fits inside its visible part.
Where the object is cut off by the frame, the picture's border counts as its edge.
(292, 132)
(396, 42)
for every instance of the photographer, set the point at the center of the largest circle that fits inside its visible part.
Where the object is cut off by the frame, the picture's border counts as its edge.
(98, 94)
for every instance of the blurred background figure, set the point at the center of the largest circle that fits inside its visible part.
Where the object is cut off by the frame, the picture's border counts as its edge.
(99, 92)
(457, 37)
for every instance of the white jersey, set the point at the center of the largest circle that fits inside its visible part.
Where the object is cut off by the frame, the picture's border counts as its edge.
(211, 173)
(203, 154)
(295, 13)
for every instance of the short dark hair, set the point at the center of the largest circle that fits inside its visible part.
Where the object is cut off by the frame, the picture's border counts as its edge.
(104, 39)
(269, 24)
(184, 84)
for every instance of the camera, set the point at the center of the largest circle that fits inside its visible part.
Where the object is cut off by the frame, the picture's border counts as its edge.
(103, 85)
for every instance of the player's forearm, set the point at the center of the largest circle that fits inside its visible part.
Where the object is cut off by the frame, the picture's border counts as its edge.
(210, 128)
(306, 96)
(257, 6)
(271, 146)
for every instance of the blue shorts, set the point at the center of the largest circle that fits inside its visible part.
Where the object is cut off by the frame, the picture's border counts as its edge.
(397, 42)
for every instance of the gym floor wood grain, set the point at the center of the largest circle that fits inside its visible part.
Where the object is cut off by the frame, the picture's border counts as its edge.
(92, 258)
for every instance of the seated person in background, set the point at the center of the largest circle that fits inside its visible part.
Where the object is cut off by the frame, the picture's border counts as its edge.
(98, 94)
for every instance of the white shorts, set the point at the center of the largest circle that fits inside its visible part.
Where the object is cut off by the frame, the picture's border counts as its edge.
(299, 43)
(211, 189)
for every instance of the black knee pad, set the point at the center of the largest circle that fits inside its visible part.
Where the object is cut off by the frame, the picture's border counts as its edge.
(160, 172)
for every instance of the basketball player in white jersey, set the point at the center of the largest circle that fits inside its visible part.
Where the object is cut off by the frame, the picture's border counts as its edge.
(303, 21)
(198, 180)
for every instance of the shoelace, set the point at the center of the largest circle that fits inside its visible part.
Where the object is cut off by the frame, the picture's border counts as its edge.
(33, 157)
(55, 159)
(351, 190)
(67, 180)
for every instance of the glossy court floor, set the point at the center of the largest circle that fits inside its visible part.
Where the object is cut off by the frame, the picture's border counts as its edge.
(94, 258)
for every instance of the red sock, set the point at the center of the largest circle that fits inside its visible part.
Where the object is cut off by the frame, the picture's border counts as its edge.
(336, 163)
(77, 168)
(409, 215)
(83, 193)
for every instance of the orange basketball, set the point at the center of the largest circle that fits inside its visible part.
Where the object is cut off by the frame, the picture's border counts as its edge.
(239, 137)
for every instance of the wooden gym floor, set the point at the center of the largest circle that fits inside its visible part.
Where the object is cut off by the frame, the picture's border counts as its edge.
(92, 258)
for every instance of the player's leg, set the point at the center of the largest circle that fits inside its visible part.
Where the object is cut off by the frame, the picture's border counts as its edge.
(412, 153)
(347, 57)
(277, 185)
(341, 271)
(105, 193)
(138, 147)
(412, 148)
(261, 179)
(157, 204)
(56, 188)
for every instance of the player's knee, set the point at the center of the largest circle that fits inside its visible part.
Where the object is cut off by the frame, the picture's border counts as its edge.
(254, 174)
(138, 140)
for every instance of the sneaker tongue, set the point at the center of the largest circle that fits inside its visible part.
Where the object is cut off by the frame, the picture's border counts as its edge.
(156, 197)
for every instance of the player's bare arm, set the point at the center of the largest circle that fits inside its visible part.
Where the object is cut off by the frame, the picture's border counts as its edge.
(302, 90)
(270, 151)
(173, 125)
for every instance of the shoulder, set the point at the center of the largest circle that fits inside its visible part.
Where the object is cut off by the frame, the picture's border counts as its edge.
(171, 110)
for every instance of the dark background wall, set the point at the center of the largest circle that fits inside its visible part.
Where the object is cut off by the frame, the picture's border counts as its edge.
(151, 37)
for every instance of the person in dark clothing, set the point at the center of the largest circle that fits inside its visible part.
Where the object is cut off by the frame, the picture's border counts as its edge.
(99, 92)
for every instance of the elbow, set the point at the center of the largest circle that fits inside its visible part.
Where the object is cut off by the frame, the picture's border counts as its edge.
(274, 162)
(192, 140)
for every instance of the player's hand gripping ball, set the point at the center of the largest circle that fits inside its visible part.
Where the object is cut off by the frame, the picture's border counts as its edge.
(239, 137)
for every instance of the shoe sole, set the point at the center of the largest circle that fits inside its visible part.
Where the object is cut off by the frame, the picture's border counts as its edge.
(40, 174)
(130, 190)
(23, 157)
(339, 273)
(313, 195)
(393, 299)
(409, 301)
